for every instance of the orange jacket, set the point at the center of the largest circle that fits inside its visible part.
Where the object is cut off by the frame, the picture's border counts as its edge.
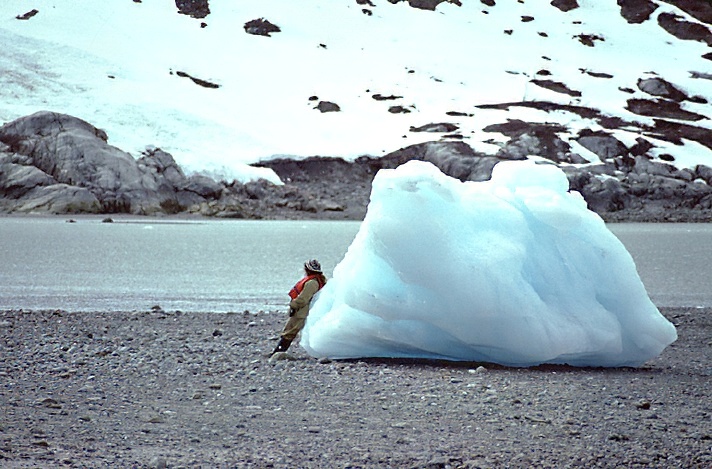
(299, 286)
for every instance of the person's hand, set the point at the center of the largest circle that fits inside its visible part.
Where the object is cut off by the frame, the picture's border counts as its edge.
(292, 312)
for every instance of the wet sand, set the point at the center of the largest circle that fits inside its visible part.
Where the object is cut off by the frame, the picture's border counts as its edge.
(170, 389)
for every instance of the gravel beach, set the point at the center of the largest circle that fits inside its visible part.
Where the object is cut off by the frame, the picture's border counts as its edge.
(184, 390)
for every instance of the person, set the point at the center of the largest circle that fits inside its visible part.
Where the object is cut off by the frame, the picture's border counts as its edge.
(300, 297)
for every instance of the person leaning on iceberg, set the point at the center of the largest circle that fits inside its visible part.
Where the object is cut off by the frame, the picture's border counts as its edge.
(301, 295)
(515, 270)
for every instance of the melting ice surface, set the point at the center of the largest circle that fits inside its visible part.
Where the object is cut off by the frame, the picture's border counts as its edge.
(514, 270)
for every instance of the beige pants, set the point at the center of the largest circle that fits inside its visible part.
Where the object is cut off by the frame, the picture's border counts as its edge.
(293, 327)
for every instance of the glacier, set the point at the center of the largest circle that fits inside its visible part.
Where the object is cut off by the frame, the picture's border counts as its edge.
(514, 270)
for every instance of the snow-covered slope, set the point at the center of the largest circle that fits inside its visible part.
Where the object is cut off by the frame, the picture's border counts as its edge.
(218, 98)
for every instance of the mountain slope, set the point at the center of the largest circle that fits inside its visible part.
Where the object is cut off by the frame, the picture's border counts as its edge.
(366, 77)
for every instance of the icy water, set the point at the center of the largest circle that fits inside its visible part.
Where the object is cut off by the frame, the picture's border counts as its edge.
(236, 265)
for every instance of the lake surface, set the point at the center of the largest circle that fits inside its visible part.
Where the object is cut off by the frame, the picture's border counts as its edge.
(236, 265)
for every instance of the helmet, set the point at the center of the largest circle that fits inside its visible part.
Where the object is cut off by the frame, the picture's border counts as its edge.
(313, 265)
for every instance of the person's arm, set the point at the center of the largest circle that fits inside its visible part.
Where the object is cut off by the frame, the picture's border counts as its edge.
(310, 288)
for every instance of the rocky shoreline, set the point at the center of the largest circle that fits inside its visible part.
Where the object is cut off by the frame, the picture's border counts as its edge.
(180, 390)
(52, 163)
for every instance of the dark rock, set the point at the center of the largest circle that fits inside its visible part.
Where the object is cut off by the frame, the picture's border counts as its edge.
(398, 110)
(662, 88)
(41, 172)
(158, 463)
(489, 3)
(198, 81)
(261, 27)
(602, 193)
(58, 199)
(676, 131)
(442, 127)
(557, 87)
(700, 10)
(604, 145)
(597, 74)
(582, 111)
(704, 172)
(81, 169)
(661, 108)
(589, 39)
(426, 4)
(459, 114)
(565, 5)
(193, 8)
(456, 159)
(164, 167)
(328, 106)
(643, 404)
(532, 139)
(17, 180)
(203, 186)
(683, 29)
(641, 147)
(380, 97)
(27, 15)
(637, 11)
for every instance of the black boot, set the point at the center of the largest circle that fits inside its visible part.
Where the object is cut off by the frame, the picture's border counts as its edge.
(282, 346)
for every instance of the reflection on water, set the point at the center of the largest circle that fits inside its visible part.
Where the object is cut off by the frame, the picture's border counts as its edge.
(233, 265)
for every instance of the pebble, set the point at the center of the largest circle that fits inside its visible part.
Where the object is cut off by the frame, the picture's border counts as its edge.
(280, 356)
(158, 463)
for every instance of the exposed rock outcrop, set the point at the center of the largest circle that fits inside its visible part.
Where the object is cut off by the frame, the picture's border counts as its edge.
(193, 8)
(327, 106)
(427, 4)
(54, 163)
(261, 27)
(28, 15)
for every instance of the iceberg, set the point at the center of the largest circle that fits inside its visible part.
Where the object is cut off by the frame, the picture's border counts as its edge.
(514, 270)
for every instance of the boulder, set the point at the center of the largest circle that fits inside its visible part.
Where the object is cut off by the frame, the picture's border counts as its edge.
(328, 106)
(261, 27)
(17, 180)
(427, 4)
(659, 87)
(636, 11)
(456, 159)
(565, 5)
(203, 186)
(441, 127)
(604, 145)
(58, 199)
(683, 29)
(664, 108)
(533, 139)
(73, 153)
(704, 172)
(193, 8)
